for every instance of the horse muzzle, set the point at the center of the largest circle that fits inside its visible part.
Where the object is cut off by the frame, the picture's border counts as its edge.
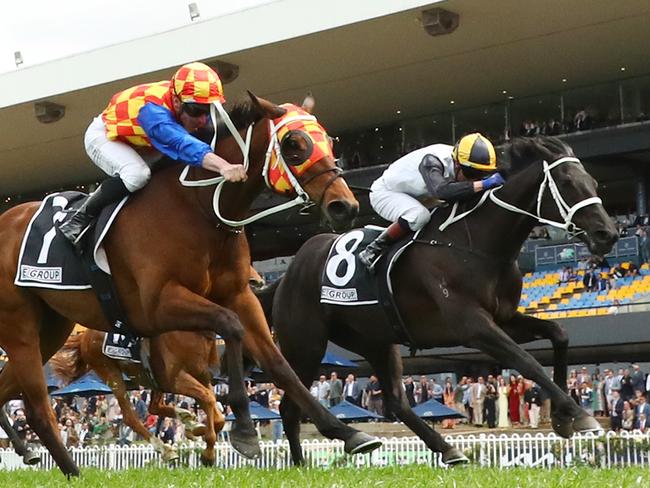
(601, 242)
(341, 213)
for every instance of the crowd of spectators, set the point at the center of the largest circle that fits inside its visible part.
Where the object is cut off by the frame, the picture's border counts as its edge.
(98, 420)
(621, 396)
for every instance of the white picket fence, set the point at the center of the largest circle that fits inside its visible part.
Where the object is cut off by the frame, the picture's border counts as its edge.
(502, 451)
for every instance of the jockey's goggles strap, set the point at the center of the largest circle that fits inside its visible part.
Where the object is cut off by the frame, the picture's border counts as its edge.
(566, 212)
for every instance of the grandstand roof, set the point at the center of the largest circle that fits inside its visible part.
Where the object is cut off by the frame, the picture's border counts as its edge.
(364, 61)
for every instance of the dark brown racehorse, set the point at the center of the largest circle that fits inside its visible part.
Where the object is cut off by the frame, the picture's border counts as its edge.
(176, 267)
(465, 293)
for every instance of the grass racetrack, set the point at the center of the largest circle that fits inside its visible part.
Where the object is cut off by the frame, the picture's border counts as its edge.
(393, 477)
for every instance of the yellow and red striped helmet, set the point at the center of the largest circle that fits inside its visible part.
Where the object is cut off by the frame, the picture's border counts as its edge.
(197, 83)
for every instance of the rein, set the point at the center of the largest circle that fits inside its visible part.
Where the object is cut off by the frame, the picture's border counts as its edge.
(302, 197)
(566, 212)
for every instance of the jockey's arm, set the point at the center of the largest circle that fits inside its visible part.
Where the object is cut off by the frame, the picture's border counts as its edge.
(171, 139)
(433, 173)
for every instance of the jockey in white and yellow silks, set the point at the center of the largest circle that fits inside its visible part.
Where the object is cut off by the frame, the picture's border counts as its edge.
(139, 126)
(440, 171)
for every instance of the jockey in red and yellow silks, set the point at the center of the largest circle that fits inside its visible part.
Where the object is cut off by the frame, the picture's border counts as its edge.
(139, 126)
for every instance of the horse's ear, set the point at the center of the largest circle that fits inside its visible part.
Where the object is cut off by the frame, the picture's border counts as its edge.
(309, 103)
(266, 108)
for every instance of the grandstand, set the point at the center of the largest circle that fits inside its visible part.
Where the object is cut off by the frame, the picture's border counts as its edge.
(546, 297)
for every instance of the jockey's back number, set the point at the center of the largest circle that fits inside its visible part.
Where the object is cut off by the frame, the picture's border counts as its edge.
(343, 260)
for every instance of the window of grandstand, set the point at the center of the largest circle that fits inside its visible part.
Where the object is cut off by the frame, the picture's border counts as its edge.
(427, 130)
(592, 107)
(489, 120)
(635, 94)
(532, 116)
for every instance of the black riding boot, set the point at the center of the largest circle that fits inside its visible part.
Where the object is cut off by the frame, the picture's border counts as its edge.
(111, 190)
(393, 233)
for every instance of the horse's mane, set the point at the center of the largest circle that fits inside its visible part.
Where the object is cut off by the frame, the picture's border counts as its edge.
(523, 151)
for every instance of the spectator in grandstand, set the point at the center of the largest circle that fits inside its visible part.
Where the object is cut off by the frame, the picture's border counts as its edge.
(627, 390)
(598, 403)
(448, 399)
(140, 407)
(573, 386)
(85, 435)
(477, 400)
(167, 433)
(533, 402)
(352, 392)
(375, 397)
(644, 244)
(323, 391)
(638, 378)
(502, 391)
(587, 397)
(437, 391)
(20, 425)
(513, 401)
(438, 171)
(616, 411)
(490, 404)
(627, 418)
(141, 124)
(582, 120)
(409, 390)
(641, 414)
(590, 278)
(336, 390)
(459, 395)
(423, 390)
(467, 399)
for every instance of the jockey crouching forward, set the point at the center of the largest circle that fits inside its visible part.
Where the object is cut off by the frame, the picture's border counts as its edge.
(138, 127)
(438, 171)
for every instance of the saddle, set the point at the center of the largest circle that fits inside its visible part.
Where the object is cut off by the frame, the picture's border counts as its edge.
(346, 282)
(48, 260)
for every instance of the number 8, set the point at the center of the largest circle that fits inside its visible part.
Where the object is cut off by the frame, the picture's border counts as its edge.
(344, 254)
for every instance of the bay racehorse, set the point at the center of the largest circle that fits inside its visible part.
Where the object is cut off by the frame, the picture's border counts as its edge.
(460, 286)
(177, 266)
(181, 370)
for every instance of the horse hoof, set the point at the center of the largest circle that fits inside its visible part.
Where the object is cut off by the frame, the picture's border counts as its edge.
(207, 461)
(586, 424)
(361, 443)
(245, 443)
(30, 458)
(170, 456)
(454, 456)
(563, 428)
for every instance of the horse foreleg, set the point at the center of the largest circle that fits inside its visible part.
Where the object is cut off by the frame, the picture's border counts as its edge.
(52, 339)
(524, 328)
(484, 334)
(387, 364)
(259, 345)
(181, 309)
(304, 357)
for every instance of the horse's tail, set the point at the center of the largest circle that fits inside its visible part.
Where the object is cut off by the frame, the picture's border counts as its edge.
(265, 295)
(68, 364)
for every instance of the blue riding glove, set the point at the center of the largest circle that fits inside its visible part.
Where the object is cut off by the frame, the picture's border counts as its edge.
(491, 181)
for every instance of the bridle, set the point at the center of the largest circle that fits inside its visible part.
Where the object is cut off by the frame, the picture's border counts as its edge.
(302, 197)
(566, 211)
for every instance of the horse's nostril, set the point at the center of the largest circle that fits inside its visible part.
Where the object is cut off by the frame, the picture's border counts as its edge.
(340, 210)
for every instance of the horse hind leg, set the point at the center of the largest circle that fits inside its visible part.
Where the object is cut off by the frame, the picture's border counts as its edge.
(387, 364)
(186, 384)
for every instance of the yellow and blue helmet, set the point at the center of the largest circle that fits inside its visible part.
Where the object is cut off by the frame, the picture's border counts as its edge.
(475, 151)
